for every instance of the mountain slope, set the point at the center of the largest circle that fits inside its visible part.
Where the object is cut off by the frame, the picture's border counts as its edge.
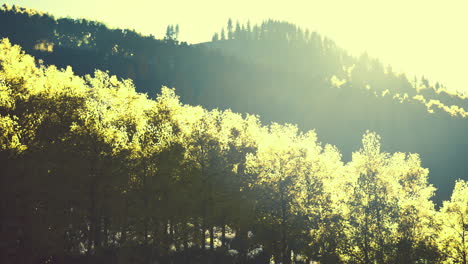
(276, 70)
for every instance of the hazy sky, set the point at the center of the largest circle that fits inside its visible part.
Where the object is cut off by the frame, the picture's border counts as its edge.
(423, 37)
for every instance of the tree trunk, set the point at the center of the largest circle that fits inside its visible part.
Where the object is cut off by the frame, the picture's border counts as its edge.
(211, 238)
(285, 253)
(97, 233)
(106, 231)
(186, 236)
(196, 233)
(242, 236)
(203, 238)
(223, 236)
(175, 232)
(123, 236)
(165, 234)
(93, 221)
(145, 232)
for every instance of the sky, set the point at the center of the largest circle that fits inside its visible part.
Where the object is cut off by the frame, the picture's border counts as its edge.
(417, 37)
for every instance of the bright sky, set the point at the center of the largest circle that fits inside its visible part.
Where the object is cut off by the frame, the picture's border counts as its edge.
(422, 37)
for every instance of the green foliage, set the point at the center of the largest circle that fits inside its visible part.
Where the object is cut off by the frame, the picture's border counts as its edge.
(453, 219)
(90, 166)
(275, 69)
(391, 217)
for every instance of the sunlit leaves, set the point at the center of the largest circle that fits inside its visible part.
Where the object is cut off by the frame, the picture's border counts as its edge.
(128, 170)
(10, 137)
(453, 217)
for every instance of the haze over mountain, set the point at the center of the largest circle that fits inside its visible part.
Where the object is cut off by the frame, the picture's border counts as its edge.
(96, 168)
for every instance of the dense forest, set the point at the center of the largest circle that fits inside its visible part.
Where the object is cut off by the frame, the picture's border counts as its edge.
(93, 171)
(106, 169)
(276, 70)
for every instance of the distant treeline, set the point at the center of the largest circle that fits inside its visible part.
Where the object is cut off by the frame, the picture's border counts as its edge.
(274, 69)
(94, 172)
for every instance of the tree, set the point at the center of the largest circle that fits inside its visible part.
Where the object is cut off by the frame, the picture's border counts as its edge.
(416, 213)
(453, 217)
(229, 29)
(278, 164)
(389, 207)
(238, 32)
(223, 35)
(256, 32)
(323, 205)
(215, 37)
(371, 210)
(171, 33)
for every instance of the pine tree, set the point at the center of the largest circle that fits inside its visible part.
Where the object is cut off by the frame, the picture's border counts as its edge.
(215, 37)
(229, 29)
(223, 35)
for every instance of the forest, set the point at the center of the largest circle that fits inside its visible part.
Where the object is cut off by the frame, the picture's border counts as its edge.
(276, 70)
(99, 164)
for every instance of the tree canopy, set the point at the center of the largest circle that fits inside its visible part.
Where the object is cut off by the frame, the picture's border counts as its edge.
(273, 69)
(93, 171)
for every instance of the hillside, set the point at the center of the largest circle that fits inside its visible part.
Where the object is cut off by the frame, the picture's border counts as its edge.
(97, 168)
(94, 172)
(276, 70)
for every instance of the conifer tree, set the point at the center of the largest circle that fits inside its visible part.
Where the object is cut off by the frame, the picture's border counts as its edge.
(230, 33)
(223, 35)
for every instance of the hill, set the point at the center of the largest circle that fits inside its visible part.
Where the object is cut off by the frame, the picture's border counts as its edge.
(276, 70)
(93, 171)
